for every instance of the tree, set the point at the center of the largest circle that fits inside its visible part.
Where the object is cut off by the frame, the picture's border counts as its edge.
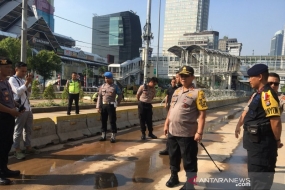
(283, 88)
(89, 72)
(44, 63)
(12, 47)
(35, 89)
(102, 70)
(49, 93)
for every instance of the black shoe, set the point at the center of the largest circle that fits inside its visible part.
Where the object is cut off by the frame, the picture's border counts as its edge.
(163, 152)
(152, 136)
(187, 186)
(11, 173)
(68, 113)
(173, 180)
(5, 181)
(112, 140)
(143, 137)
(102, 139)
(76, 113)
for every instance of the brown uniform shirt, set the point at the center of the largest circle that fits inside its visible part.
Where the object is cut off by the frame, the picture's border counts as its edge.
(184, 111)
(6, 94)
(146, 94)
(107, 93)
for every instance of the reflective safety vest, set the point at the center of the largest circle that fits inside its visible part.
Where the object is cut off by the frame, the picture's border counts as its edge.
(73, 87)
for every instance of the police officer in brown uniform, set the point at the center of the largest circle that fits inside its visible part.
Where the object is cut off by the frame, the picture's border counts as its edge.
(184, 126)
(145, 95)
(106, 105)
(274, 82)
(262, 129)
(8, 113)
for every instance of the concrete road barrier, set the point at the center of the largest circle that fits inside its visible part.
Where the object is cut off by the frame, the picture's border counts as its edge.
(133, 117)
(43, 133)
(122, 119)
(94, 123)
(157, 113)
(71, 127)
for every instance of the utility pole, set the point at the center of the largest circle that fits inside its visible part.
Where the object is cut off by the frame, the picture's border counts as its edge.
(158, 40)
(24, 31)
(147, 36)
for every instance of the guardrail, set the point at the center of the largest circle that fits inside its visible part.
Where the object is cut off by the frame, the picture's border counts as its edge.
(63, 128)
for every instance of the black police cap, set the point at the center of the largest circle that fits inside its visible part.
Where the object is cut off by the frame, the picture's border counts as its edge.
(257, 69)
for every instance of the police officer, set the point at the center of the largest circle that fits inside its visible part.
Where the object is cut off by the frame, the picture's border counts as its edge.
(106, 105)
(262, 129)
(8, 113)
(145, 95)
(73, 86)
(274, 81)
(184, 126)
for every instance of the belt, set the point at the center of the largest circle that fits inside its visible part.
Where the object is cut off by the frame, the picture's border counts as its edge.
(108, 102)
(264, 127)
(145, 103)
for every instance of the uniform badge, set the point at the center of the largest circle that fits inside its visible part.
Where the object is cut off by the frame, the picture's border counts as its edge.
(185, 106)
(7, 98)
(6, 93)
(189, 94)
(268, 103)
(266, 96)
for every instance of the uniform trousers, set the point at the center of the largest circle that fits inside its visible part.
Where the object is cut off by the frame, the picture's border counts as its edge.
(185, 148)
(108, 110)
(145, 115)
(6, 138)
(23, 124)
(72, 97)
(261, 168)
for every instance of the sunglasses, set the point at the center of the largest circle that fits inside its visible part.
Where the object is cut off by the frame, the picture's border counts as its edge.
(275, 83)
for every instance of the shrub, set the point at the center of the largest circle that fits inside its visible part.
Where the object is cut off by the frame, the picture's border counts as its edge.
(35, 89)
(49, 93)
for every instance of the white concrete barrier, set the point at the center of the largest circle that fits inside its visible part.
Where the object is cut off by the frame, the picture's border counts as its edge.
(133, 117)
(157, 113)
(94, 123)
(122, 119)
(71, 127)
(43, 133)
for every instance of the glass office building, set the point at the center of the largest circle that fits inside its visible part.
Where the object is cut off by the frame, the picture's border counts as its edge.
(117, 36)
(276, 43)
(184, 16)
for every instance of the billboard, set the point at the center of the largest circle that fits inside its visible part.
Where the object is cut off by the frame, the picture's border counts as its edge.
(44, 5)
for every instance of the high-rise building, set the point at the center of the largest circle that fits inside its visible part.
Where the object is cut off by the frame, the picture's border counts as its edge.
(276, 43)
(184, 16)
(283, 46)
(230, 45)
(45, 8)
(117, 36)
(205, 39)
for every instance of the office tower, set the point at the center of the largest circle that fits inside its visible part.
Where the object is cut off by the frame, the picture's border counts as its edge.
(45, 8)
(276, 43)
(117, 36)
(206, 39)
(230, 45)
(184, 16)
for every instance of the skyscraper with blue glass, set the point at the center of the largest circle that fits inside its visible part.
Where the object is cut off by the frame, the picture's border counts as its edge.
(117, 36)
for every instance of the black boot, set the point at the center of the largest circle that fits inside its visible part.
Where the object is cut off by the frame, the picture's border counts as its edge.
(143, 136)
(152, 136)
(11, 173)
(173, 180)
(103, 136)
(113, 138)
(187, 186)
(5, 181)
(163, 152)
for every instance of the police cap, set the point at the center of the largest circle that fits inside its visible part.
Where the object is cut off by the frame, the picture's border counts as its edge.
(108, 74)
(257, 69)
(4, 61)
(186, 70)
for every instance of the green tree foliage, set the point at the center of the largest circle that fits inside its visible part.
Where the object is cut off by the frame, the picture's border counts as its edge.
(283, 88)
(12, 47)
(102, 70)
(49, 93)
(81, 95)
(35, 89)
(64, 95)
(45, 62)
(89, 72)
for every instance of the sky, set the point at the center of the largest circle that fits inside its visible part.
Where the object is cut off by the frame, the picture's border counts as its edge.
(252, 22)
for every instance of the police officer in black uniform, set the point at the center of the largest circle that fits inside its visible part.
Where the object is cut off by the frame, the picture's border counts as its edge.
(262, 129)
(8, 113)
(107, 103)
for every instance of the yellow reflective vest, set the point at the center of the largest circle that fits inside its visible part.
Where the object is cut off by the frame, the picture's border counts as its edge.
(74, 87)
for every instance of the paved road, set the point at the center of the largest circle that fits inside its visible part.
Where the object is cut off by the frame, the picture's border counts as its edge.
(134, 164)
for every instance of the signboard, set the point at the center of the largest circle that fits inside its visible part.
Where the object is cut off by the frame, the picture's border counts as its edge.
(81, 55)
(41, 41)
